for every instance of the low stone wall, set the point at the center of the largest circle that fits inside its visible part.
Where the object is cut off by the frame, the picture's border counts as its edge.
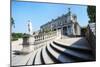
(19, 41)
(91, 37)
(16, 45)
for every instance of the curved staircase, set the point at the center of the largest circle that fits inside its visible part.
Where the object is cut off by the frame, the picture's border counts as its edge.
(56, 52)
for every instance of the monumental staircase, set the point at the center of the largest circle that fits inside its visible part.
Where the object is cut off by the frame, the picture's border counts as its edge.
(54, 51)
(58, 51)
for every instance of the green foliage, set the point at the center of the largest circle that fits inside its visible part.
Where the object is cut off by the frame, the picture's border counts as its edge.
(46, 30)
(26, 36)
(12, 22)
(83, 31)
(91, 11)
(15, 36)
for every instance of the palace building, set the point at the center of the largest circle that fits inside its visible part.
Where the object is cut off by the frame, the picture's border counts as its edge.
(67, 23)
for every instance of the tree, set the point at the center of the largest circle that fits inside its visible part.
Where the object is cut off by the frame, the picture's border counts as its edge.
(12, 22)
(83, 31)
(15, 36)
(91, 11)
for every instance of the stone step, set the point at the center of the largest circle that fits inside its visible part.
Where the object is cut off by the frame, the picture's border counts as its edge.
(60, 57)
(34, 59)
(75, 47)
(46, 57)
(31, 58)
(37, 59)
(79, 42)
(42, 60)
(72, 53)
(51, 56)
(73, 58)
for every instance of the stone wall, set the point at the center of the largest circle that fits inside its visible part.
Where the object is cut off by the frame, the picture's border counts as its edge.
(91, 37)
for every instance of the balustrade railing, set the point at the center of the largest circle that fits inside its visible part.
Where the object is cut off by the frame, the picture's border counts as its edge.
(43, 39)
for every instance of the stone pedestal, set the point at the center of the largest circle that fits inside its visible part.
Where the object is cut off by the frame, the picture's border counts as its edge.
(28, 42)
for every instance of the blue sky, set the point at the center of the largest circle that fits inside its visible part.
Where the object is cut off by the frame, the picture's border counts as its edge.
(41, 13)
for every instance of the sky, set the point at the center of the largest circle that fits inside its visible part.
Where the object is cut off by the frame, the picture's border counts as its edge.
(41, 13)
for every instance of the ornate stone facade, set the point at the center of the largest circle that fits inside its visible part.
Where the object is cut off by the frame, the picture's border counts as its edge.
(67, 23)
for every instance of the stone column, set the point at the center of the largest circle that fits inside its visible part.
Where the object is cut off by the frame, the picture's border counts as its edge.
(73, 29)
(59, 33)
(78, 30)
(67, 30)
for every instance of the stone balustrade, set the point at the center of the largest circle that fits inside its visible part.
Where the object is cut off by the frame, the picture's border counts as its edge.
(38, 40)
(44, 37)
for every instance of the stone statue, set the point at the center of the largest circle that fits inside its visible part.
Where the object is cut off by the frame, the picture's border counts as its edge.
(28, 39)
(30, 32)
